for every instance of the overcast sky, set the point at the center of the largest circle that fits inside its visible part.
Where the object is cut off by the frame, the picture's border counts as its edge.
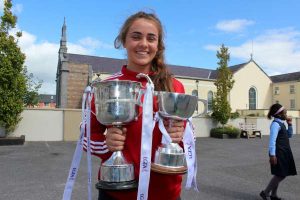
(194, 31)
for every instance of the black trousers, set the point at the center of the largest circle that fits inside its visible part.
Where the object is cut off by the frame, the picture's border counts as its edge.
(103, 195)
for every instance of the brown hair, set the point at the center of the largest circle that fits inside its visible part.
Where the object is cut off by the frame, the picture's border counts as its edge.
(162, 78)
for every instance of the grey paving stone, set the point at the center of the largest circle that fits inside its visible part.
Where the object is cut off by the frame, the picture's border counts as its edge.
(227, 169)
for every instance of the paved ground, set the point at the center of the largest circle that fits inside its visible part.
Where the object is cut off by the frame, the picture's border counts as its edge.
(228, 169)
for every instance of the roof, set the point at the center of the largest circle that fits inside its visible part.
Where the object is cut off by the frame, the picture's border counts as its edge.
(294, 76)
(99, 64)
(112, 65)
(235, 68)
(190, 71)
(47, 98)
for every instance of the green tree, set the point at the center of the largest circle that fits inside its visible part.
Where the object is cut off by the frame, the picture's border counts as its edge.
(31, 97)
(224, 83)
(12, 80)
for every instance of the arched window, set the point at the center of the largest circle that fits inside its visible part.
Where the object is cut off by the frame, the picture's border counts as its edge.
(252, 98)
(195, 93)
(209, 101)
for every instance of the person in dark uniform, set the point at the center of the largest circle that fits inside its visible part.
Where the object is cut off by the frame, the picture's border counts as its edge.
(280, 153)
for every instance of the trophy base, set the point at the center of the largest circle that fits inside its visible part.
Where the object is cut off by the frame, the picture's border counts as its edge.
(168, 170)
(126, 185)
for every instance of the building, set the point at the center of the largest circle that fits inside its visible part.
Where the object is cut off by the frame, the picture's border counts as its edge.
(286, 90)
(47, 101)
(253, 88)
(71, 77)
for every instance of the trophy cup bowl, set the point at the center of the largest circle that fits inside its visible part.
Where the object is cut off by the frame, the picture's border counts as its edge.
(170, 158)
(116, 105)
(176, 105)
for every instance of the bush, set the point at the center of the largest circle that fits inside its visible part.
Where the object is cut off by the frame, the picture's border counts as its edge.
(231, 131)
(234, 115)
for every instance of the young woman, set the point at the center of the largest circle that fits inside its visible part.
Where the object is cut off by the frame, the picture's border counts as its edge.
(142, 37)
(280, 153)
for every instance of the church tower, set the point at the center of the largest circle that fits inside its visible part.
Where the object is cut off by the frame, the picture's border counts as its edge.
(73, 74)
(62, 70)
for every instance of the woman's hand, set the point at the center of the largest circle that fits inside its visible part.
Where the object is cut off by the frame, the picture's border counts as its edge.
(289, 121)
(115, 139)
(175, 128)
(273, 160)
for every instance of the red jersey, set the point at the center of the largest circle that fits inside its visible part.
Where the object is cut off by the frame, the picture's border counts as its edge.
(161, 186)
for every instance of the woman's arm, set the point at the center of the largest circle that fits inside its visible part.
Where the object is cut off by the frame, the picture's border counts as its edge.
(98, 140)
(274, 129)
(290, 127)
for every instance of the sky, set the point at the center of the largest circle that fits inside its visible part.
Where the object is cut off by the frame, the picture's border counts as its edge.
(194, 31)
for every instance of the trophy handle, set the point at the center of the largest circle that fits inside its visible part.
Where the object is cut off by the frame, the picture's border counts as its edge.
(205, 108)
(143, 91)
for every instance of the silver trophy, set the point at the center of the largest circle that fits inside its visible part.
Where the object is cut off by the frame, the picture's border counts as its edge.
(170, 159)
(116, 103)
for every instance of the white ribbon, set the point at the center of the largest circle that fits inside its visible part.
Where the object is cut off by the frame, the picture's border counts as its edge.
(84, 126)
(88, 145)
(166, 139)
(190, 155)
(146, 143)
(189, 150)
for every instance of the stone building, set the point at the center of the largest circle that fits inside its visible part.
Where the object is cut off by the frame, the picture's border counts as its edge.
(71, 77)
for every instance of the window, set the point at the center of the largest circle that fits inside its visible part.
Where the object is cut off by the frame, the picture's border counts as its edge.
(276, 90)
(292, 104)
(292, 89)
(209, 101)
(252, 99)
(195, 93)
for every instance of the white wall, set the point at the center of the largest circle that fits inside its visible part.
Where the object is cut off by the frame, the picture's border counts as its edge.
(49, 125)
(41, 125)
(202, 126)
(250, 76)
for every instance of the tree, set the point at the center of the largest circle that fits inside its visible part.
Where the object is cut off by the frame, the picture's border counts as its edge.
(224, 83)
(12, 80)
(31, 97)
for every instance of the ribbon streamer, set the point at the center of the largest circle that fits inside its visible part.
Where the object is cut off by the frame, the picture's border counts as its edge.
(146, 143)
(190, 155)
(84, 126)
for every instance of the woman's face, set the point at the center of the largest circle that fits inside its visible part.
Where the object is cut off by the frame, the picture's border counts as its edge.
(141, 44)
(284, 114)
